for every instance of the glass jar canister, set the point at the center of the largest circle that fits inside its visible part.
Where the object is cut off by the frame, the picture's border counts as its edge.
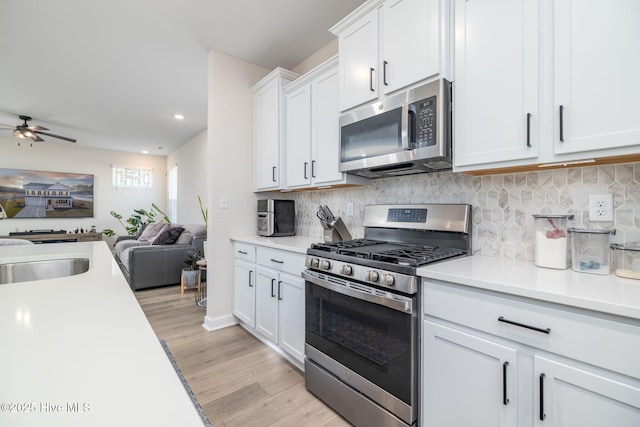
(626, 260)
(550, 241)
(590, 250)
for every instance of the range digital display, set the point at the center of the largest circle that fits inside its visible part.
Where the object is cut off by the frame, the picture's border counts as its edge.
(407, 215)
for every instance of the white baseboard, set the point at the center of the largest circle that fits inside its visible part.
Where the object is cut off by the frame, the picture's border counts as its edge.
(215, 323)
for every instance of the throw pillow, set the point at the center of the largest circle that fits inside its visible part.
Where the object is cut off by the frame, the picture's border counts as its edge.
(139, 233)
(151, 231)
(168, 236)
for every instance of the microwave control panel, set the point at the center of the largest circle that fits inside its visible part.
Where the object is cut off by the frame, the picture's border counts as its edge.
(425, 111)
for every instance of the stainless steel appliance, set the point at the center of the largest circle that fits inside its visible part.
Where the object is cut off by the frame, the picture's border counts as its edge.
(362, 301)
(404, 134)
(276, 217)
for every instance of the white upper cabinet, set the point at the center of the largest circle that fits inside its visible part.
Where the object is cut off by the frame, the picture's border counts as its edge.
(411, 48)
(389, 45)
(313, 134)
(497, 81)
(358, 47)
(541, 82)
(268, 129)
(597, 64)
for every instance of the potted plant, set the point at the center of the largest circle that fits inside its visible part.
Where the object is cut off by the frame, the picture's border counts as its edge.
(190, 272)
(205, 216)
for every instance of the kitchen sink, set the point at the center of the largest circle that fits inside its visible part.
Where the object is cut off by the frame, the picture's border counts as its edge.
(39, 270)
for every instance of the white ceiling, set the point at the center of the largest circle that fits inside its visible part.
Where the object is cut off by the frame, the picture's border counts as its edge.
(112, 73)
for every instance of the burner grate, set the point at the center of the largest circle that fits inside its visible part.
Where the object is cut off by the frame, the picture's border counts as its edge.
(418, 255)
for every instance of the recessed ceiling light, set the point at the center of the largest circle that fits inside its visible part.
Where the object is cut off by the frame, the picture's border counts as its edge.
(178, 116)
(145, 152)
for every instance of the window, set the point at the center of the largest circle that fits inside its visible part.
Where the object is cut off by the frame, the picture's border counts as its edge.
(173, 194)
(132, 177)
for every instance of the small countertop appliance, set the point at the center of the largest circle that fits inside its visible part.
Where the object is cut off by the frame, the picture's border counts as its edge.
(276, 217)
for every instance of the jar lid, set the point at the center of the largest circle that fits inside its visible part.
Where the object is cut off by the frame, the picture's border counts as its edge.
(585, 230)
(634, 246)
(570, 216)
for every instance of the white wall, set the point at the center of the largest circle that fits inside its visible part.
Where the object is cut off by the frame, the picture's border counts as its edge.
(229, 173)
(63, 157)
(191, 159)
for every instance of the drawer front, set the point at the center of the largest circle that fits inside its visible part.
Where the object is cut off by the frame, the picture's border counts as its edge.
(289, 262)
(581, 335)
(245, 252)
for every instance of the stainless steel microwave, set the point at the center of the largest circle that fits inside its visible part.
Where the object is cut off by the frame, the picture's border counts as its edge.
(403, 134)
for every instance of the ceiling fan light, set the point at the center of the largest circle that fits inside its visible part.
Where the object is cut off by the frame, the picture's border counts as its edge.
(18, 134)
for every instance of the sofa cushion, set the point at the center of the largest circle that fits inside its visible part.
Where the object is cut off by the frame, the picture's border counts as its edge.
(126, 244)
(152, 230)
(191, 231)
(168, 236)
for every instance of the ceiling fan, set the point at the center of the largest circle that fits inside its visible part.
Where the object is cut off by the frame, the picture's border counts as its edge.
(24, 131)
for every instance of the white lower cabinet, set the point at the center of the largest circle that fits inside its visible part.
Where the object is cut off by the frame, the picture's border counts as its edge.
(269, 297)
(464, 371)
(244, 292)
(491, 359)
(568, 395)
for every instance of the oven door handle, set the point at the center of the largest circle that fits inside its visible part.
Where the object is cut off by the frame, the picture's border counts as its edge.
(403, 306)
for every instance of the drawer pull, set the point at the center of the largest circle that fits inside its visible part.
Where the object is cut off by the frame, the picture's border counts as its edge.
(505, 399)
(276, 260)
(522, 325)
(243, 252)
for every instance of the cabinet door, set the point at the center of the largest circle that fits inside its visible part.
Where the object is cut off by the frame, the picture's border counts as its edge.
(410, 42)
(267, 303)
(597, 62)
(358, 50)
(467, 380)
(496, 86)
(570, 396)
(291, 312)
(325, 139)
(244, 295)
(299, 137)
(266, 122)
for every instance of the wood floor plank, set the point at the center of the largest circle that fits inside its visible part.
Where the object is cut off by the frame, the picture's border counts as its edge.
(238, 380)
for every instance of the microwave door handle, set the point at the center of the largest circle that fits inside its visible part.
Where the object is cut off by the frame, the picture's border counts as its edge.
(408, 127)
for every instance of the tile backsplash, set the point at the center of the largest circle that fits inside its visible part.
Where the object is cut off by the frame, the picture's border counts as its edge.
(503, 204)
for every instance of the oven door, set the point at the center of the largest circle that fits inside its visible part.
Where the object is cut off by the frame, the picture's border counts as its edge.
(366, 337)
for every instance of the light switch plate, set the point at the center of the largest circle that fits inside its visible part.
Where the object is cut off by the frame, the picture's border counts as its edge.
(224, 202)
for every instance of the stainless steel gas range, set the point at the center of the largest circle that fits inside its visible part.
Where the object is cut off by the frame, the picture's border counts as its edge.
(362, 311)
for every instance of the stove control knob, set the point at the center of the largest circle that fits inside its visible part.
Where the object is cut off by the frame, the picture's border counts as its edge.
(388, 280)
(325, 265)
(314, 263)
(373, 276)
(346, 269)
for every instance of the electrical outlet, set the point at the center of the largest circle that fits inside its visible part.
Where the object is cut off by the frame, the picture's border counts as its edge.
(601, 207)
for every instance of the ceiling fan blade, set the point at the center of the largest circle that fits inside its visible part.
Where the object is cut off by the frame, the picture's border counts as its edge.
(36, 138)
(37, 127)
(56, 136)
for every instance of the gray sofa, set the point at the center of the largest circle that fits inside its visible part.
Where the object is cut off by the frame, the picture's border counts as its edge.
(155, 256)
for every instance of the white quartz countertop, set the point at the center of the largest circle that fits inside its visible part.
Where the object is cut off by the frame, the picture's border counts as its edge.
(605, 293)
(79, 351)
(298, 244)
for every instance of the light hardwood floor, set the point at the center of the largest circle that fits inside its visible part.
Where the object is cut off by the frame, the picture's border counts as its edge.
(238, 380)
